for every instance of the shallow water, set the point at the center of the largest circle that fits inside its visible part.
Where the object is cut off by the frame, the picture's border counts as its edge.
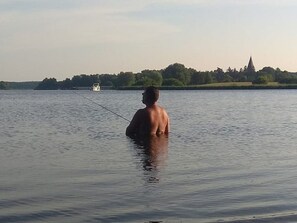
(231, 157)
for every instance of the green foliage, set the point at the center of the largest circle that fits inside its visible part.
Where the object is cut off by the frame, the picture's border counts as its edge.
(84, 80)
(287, 78)
(261, 80)
(235, 76)
(48, 84)
(179, 72)
(3, 85)
(107, 79)
(221, 76)
(27, 85)
(149, 78)
(201, 78)
(125, 79)
(174, 75)
(66, 84)
(251, 76)
(172, 82)
(267, 70)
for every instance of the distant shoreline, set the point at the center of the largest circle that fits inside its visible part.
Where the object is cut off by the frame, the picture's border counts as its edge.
(213, 86)
(251, 87)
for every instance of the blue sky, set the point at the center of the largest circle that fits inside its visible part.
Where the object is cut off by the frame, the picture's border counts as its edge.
(62, 38)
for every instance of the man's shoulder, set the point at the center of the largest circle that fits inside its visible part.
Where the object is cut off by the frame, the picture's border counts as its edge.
(163, 109)
(140, 112)
(155, 108)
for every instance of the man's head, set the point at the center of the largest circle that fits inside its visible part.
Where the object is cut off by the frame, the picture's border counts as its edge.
(150, 95)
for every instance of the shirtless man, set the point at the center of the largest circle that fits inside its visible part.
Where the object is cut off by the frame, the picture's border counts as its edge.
(151, 120)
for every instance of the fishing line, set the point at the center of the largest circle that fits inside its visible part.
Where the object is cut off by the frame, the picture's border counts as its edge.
(102, 106)
(108, 108)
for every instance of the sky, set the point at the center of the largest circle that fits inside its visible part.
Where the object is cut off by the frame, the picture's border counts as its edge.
(63, 38)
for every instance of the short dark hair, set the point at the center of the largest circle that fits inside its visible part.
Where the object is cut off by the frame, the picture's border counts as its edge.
(152, 93)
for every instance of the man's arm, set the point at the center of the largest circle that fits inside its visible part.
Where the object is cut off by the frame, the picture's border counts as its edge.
(133, 127)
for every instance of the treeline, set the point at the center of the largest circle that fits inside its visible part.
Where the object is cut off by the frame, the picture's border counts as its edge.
(3, 85)
(27, 85)
(173, 75)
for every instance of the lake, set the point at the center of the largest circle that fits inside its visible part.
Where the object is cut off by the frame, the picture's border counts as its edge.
(231, 157)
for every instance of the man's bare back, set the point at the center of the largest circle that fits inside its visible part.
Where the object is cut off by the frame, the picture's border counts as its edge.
(158, 120)
(152, 120)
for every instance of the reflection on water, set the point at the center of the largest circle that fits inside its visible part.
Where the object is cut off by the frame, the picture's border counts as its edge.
(153, 152)
(232, 158)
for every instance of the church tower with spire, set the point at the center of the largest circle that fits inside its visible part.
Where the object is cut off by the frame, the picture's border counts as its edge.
(251, 71)
(251, 67)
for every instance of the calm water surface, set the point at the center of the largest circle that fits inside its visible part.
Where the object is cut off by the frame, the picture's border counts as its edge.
(231, 157)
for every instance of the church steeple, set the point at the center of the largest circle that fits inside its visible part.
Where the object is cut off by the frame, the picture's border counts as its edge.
(251, 67)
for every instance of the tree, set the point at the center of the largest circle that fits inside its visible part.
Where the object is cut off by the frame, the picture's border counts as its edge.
(287, 78)
(172, 82)
(48, 84)
(150, 78)
(3, 85)
(221, 76)
(261, 80)
(179, 72)
(201, 78)
(234, 74)
(84, 80)
(268, 70)
(107, 79)
(66, 84)
(125, 79)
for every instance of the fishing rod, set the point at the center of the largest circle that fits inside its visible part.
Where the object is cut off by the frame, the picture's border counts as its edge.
(102, 106)
(106, 108)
